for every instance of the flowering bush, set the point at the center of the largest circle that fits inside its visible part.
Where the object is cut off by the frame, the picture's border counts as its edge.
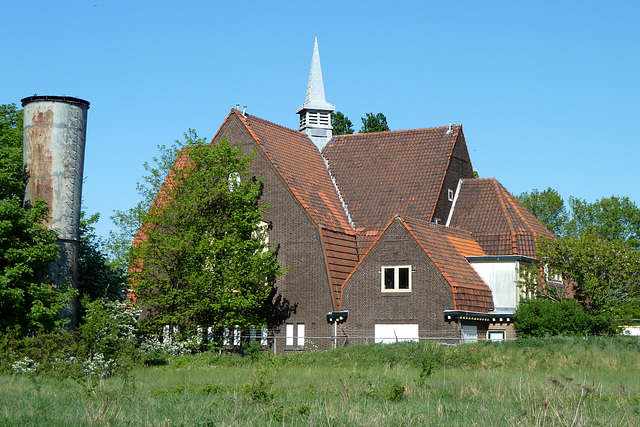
(25, 365)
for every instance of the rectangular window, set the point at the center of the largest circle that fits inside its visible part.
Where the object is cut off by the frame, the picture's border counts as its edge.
(236, 335)
(289, 334)
(450, 194)
(469, 333)
(396, 279)
(300, 335)
(496, 335)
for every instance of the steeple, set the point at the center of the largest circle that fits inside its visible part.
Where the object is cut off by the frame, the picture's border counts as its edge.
(315, 113)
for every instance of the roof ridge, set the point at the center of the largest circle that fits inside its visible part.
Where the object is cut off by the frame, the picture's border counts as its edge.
(457, 128)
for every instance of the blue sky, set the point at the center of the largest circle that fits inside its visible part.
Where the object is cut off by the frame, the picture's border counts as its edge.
(548, 92)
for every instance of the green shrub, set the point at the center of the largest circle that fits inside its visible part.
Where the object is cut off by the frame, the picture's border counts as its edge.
(540, 317)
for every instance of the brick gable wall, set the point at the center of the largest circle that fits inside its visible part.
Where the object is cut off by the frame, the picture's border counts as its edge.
(297, 238)
(368, 305)
(459, 167)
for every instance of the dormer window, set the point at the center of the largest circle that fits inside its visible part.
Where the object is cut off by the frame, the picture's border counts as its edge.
(396, 278)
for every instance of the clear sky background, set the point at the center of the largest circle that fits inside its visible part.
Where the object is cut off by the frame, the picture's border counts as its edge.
(548, 92)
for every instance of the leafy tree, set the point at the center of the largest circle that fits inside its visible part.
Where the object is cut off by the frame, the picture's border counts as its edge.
(374, 123)
(540, 317)
(612, 218)
(130, 221)
(597, 250)
(26, 248)
(201, 258)
(548, 207)
(341, 124)
(605, 274)
(98, 277)
(11, 168)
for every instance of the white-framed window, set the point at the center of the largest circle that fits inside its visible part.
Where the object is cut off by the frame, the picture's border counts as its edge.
(234, 181)
(396, 278)
(496, 335)
(469, 333)
(289, 334)
(300, 341)
(450, 194)
(236, 335)
(225, 336)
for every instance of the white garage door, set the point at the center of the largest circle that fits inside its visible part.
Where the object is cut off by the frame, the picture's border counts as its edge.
(396, 333)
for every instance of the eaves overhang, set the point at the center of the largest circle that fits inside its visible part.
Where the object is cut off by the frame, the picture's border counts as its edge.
(455, 315)
(490, 258)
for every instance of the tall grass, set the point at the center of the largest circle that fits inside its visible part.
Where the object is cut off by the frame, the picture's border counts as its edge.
(527, 382)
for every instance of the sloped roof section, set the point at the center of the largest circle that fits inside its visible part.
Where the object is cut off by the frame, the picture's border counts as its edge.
(447, 249)
(381, 175)
(500, 224)
(302, 167)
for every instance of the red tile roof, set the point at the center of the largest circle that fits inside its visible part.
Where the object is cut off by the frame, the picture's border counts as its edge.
(447, 249)
(302, 168)
(500, 224)
(381, 175)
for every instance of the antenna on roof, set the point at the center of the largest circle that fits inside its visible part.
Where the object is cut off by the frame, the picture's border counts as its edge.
(450, 128)
(244, 111)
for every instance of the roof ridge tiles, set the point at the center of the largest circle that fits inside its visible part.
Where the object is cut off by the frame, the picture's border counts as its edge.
(455, 127)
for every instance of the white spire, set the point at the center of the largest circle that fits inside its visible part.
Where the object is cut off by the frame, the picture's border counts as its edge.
(315, 88)
(315, 113)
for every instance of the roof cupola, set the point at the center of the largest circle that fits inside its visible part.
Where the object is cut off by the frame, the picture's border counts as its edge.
(315, 113)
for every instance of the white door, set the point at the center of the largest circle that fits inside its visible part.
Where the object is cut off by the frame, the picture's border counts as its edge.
(395, 333)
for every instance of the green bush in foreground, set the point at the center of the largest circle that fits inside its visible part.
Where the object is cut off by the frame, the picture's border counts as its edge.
(540, 317)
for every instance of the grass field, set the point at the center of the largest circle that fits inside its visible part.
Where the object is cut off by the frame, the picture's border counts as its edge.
(568, 381)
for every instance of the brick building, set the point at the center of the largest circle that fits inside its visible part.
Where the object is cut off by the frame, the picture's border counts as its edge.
(386, 236)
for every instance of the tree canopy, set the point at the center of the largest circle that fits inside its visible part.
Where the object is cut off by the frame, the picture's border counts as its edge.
(202, 258)
(341, 124)
(597, 249)
(548, 207)
(130, 221)
(374, 123)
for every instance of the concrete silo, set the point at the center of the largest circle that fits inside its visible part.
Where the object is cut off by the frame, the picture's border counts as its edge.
(55, 129)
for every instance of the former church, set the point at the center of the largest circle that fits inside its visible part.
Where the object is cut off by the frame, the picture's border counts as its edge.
(387, 236)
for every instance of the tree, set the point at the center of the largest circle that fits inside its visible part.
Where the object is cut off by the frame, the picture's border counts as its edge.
(201, 258)
(612, 218)
(605, 274)
(341, 124)
(548, 207)
(98, 278)
(27, 248)
(130, 221)
(374, 123)
(11, 168)
(596, 251)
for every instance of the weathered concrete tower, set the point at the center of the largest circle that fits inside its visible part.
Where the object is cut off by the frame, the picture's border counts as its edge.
(55, 128)
(315, 113)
